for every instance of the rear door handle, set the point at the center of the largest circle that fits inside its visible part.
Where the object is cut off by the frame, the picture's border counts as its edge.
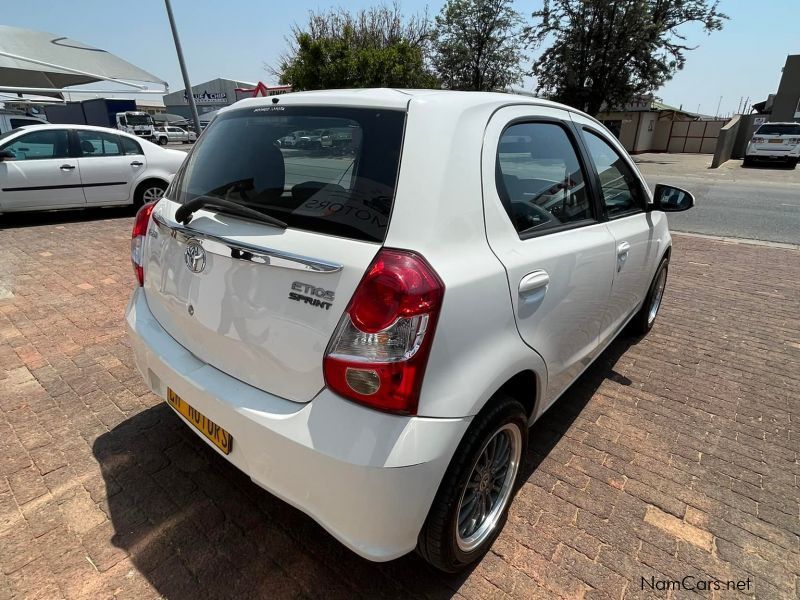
(622, 254)
(533, 281)
(137, 163)
(67, 167)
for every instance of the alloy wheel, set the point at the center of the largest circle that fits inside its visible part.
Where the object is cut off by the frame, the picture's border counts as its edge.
(658, 294)
(488, 487)
(152, 194)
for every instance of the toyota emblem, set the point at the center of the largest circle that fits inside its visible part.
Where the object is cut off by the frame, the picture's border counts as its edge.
(195, 256)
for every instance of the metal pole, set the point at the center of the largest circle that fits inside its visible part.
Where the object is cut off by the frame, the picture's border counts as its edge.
(184, 72)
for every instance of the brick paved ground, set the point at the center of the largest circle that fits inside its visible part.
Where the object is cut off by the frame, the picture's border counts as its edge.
(675, 456)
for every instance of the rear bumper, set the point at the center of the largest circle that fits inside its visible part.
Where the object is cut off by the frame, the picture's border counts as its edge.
(367, 477)
(770, 154)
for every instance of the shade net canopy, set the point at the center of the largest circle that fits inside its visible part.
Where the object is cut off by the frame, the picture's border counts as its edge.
(37, 59)
(168, 118)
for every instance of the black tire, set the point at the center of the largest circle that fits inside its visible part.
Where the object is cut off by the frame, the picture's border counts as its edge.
(438, 539)
(793, 164)
(143, 192)
(162, 141)
(747, 162)
(641, 324)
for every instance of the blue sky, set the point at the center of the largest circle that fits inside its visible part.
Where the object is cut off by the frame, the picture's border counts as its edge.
(236, 37)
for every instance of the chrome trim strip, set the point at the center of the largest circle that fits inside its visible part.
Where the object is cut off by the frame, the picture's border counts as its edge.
(242, 251)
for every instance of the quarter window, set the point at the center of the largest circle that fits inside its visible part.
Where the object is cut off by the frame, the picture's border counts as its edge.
(130, 146)
(38, 145)
(622, 192)
(539, 178)
(98, 143)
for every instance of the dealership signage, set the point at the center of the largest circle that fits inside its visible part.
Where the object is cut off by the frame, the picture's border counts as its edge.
(206, 97)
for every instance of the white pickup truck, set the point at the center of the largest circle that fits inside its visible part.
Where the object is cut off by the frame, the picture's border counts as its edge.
(10, 120)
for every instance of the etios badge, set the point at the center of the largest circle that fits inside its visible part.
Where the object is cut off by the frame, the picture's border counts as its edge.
(195, 256)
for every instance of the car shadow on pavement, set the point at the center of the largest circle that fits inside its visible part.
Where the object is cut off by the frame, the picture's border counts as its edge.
(552, 426)
(195, 526)
(61, 217)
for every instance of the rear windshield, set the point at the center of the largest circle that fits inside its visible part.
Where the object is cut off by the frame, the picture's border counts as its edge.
(786, 129)
(323, 169)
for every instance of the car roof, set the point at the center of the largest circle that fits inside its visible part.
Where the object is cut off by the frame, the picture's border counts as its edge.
(77, 126)
(780, 123)
(400, 99)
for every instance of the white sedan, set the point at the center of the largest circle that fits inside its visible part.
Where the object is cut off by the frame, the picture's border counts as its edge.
(47, 167)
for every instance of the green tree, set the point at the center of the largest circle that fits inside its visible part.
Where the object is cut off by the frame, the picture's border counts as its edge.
(606, 52)
(376, 47)
(478, 45)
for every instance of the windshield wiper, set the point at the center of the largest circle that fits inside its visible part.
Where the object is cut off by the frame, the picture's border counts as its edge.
(186, 210)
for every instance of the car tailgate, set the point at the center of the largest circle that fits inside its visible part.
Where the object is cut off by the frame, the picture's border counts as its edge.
(257, 302)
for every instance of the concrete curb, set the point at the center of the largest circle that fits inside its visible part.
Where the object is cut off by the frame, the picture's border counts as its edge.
(734, 240)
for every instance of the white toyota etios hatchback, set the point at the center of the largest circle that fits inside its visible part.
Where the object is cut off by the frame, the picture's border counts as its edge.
(369, 333)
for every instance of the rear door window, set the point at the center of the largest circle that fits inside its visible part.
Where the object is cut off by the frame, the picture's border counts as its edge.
(539, 179)
(98, 143)
(338, 179)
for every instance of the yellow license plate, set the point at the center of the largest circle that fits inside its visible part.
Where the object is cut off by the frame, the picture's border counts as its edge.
(776, 141)
(218, 436)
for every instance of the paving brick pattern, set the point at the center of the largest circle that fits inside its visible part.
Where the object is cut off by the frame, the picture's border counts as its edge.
(674, 456)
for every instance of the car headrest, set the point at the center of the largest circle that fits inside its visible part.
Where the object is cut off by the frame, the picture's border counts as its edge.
(270, 173)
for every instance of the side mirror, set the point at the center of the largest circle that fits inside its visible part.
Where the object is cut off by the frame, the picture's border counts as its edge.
(671, 199)
(6, 155)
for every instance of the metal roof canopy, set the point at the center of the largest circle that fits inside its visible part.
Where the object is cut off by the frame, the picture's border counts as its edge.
(38, 62)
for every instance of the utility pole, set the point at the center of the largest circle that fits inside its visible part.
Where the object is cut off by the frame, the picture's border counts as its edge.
(184, 72)
(718, 105)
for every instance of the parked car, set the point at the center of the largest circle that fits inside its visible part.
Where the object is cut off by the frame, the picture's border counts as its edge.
(10, 120)
(170, 133)
(291, 140)
(45, 167)
(379, 369)
(774, 142)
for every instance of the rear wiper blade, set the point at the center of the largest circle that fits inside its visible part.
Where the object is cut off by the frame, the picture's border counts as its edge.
(186, 210)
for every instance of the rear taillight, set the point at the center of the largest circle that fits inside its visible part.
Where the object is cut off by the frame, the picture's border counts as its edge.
(378, 353)
(137, 239)
(758, 140)
(793, 141)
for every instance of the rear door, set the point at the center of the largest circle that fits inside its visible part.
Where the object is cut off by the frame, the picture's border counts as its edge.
(542, 222)
(107, 173)
(635, 231)
(255, 301)
(42, 175)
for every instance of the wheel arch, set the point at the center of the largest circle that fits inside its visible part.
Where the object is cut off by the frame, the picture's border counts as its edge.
(523, 387)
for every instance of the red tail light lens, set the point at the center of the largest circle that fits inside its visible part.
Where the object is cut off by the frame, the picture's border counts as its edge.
(379, 352)
(137, 239)
(758, 140)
